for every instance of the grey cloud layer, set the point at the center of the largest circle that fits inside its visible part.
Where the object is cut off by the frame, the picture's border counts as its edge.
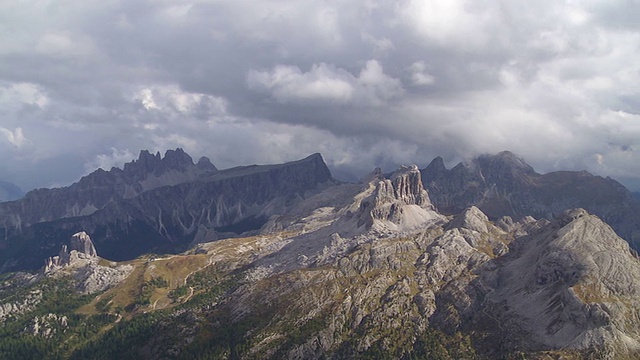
(85, 84)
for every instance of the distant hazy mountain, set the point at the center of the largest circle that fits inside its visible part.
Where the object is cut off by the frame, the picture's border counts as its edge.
(96, 190)
(9, 191)
(504, 185)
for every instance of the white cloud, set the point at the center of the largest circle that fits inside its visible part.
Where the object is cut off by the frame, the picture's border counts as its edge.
(448, 22)
(116, 158)
(145, 96)
(289, 84)
(419, 74)
(326, 83)
(13, 94)
(15, 137)
(171, 99)
(556, 82)
(378, 86)
(380, 45)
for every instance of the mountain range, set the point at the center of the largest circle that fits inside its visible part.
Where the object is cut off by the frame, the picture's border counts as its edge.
(164, 204)
(504, 185)
(155, 203)
(170, 259)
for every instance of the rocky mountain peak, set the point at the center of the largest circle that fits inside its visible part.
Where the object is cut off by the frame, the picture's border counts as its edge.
(80, 260)
(177, 159)
(376, 174)
(398, 202)
(504, 162)
(471, 218)
(147, 163)
(205, 164)
(79, 252)
(436, 168)
(504, 185)
(406, 186)
(81, 242)
(562, 285)
(314, 166)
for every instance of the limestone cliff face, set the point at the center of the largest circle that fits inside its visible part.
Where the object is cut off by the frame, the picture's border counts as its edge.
(400, 202)
(81, 242)
(80, 260)
(565, 287)
(79, 252)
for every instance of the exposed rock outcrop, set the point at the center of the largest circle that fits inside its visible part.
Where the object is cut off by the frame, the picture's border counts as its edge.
(573, 286)
(81, 261)
(532, 285)
(366, 270)
(20, 306)
(47, 325)
(398, 203)
(80, 252)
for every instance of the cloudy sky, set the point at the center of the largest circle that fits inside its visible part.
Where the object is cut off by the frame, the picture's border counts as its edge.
(87, 84)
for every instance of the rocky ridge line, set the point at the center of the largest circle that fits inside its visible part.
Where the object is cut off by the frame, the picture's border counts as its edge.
(504, 185)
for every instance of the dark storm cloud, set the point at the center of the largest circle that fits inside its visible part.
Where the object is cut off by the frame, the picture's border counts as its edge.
(365, 83)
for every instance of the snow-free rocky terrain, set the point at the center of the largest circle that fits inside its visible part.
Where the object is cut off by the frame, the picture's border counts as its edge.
(368, 270)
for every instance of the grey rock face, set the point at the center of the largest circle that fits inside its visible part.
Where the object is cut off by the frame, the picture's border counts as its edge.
(472, 219)
(20, 306)
(46, 325)
(362, 269)
(504, 185)
(79, 252)
(574, 285)
(96, 190)
(94, 278)
(400, 202)
(81, 242)
(567, 286)
(81, 261)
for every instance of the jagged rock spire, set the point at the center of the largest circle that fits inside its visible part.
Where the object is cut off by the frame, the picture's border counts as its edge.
(80, 247)
(81, 242)
(400, 201)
